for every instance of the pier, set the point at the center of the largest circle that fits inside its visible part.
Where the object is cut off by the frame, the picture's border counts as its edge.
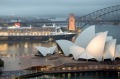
(76, 68)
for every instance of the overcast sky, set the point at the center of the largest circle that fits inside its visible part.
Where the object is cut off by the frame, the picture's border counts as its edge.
(53, 7)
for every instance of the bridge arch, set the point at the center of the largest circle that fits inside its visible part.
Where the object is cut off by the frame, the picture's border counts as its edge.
(97, 14)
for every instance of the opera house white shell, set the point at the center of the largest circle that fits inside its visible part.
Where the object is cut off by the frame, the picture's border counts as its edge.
(109, 51)
(44, 50)
(76, 51)
(79, 52)
(64, 45)
(117, 51)
(96, 46)
(85, 37)
(89, 45)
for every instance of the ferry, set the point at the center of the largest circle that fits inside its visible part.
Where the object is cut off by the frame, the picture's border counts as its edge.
(44, 33)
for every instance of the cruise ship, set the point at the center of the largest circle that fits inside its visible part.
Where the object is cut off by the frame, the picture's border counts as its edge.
(44, 33)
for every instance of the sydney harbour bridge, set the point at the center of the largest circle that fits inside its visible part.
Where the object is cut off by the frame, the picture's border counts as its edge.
(108, 15)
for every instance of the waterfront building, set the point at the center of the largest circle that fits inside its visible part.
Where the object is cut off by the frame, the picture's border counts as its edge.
(44, 50)
(89, 45)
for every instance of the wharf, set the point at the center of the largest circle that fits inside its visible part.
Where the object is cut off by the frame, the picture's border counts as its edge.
(61, 72)
(75, 68)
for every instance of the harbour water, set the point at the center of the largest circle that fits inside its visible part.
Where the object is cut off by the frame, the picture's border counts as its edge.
(85, 75)
(12, 48)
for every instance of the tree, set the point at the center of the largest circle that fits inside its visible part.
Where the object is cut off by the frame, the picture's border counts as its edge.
(1, 63)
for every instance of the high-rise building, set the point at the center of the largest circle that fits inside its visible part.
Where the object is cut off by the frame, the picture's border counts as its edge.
(71, 23)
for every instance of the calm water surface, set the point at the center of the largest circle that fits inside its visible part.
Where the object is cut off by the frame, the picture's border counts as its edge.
(85, 75)
(22, 47)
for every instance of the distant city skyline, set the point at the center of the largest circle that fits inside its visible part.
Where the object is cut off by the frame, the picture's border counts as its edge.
(53, 7)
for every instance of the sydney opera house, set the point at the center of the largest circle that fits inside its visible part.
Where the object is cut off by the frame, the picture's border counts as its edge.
(87, 45)
(89, 50)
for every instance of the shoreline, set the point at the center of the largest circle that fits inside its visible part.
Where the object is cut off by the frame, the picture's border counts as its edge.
(65, 72)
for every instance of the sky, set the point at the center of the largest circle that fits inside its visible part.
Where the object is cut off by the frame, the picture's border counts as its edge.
(53, 7)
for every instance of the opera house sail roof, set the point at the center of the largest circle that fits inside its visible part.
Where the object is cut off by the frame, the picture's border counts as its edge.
(85, 36)
(44, 50)
(64, 45)
(79, 52)
(89, 45)
(109, 49)
(117, 51)
(96, 46)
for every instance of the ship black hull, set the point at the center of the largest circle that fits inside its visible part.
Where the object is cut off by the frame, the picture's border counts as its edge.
(36, 38)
